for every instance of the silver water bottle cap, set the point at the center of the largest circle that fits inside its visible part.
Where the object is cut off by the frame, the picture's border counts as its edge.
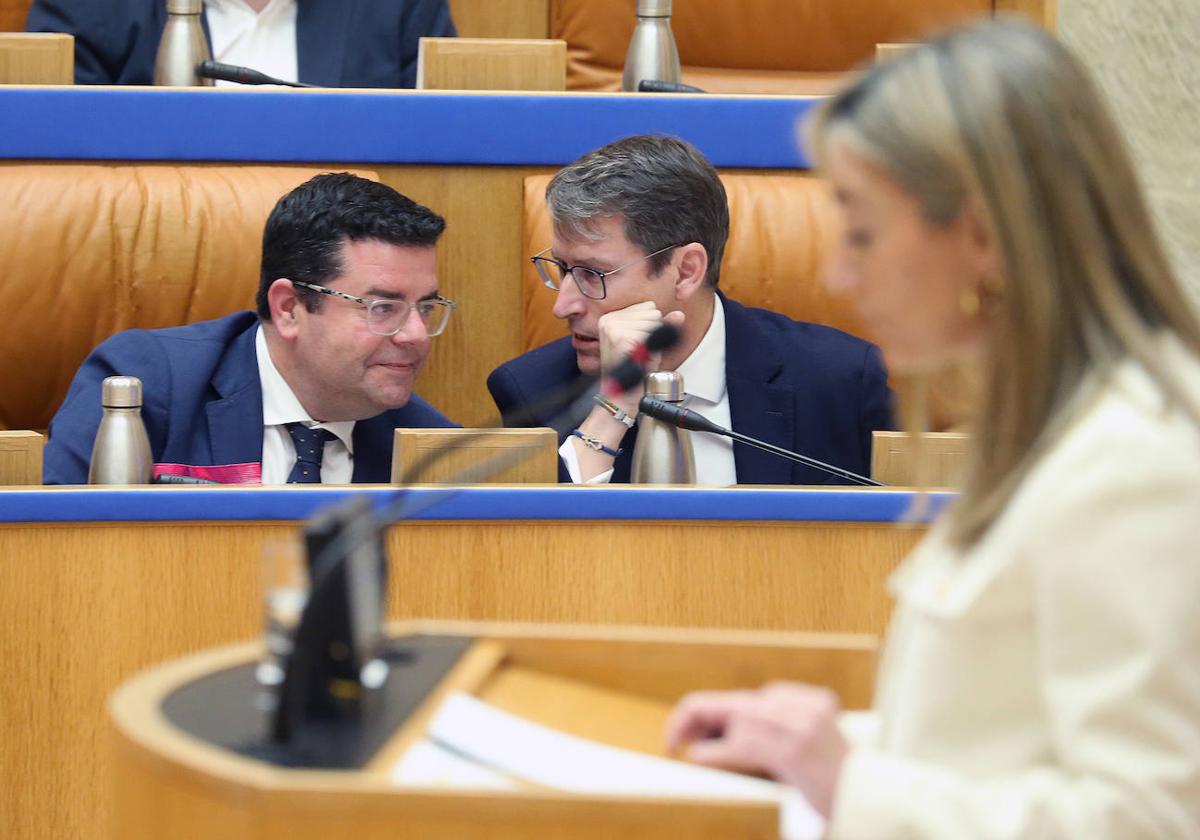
(121, 392)
(665, 385)
(184, 7)
(654, 8)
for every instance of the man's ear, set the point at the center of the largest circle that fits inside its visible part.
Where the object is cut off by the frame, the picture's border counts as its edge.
(692, 260)
(286, 307)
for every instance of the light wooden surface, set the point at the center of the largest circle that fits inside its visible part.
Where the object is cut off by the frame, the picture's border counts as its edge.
(87, 605)
(885, 52)
(475, 456)
(492, 64)
(501, 18)
(936, 460)
(21, 457)
(170, 785)
(1044, 12)
(37, 58)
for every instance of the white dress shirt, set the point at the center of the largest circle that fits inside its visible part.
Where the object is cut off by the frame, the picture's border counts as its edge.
(703, 373)
(1046, 682)
(280, 407)
(264, 41)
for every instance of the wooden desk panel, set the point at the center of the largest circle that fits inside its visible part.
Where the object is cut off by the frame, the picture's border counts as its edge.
(174, 785)
(87, 605)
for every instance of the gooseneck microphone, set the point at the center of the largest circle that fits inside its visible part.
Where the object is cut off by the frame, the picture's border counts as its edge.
(241, 75)
(693, 422)
(628, 374)
(347, 584)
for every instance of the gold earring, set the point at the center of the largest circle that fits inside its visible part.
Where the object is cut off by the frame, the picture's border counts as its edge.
(968, 301)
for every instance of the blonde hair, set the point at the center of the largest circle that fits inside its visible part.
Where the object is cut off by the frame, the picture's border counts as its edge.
(999, 116)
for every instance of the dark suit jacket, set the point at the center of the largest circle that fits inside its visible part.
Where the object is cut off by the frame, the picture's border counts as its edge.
(339, 43)
(809, 388)
(201, 402)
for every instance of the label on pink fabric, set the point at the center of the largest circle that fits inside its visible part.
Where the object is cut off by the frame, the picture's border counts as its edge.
(220, 473)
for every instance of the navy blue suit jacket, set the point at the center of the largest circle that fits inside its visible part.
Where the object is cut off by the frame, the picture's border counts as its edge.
(201, 402)
(339, 43)
(809, 388)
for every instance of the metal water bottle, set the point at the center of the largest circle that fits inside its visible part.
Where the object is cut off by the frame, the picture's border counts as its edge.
(652, 53)
(121, 453)
(182, 46)
(663, 453)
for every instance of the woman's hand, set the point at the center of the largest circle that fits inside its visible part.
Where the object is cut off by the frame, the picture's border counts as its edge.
(787, 731)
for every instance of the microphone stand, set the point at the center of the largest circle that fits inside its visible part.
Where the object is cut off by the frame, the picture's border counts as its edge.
(803, 459)
(693, 422)
(346, 553)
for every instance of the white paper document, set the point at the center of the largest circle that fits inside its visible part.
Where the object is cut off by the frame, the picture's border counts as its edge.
(474, 745)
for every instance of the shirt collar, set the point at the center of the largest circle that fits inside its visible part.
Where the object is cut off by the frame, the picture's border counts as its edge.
(275, 7)
(703, 371)
(280, 405)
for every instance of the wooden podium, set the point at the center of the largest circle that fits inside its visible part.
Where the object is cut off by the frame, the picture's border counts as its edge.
(608, 684)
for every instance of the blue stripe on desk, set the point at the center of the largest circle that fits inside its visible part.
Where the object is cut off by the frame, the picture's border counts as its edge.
(471, 503)
(82, 123)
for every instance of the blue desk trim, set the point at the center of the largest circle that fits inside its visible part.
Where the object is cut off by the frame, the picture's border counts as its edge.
(471, 503)
(384, 128)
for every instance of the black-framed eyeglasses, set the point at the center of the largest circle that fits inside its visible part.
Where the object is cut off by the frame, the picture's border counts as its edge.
(388, 317)
(589, 281)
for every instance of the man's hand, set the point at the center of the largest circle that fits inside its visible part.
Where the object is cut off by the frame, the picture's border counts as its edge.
(624, 329)
(787, 731)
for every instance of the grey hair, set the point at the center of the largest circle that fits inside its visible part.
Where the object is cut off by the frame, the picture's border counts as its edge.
(664, 190)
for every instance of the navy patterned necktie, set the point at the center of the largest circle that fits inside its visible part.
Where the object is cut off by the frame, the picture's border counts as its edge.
(310, 446)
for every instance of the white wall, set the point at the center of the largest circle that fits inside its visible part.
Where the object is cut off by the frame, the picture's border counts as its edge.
(1146, 56)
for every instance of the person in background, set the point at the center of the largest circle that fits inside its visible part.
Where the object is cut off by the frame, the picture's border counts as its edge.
(309, 388)
(640, 227)
(331, 43)
(1041, 676)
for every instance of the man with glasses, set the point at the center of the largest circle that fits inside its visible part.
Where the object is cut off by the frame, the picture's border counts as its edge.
(639, 229)
(311, 386)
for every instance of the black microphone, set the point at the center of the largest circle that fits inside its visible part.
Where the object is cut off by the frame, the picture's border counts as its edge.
(575, 398)
(168, 478)
(242, 75)
(659, 86)
(683, 418)
(628, 374)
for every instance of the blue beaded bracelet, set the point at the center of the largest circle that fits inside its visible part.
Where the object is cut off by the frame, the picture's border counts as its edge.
(595, 443)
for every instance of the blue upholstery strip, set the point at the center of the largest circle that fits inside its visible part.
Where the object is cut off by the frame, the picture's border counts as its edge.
(87, 123)
(162, 504)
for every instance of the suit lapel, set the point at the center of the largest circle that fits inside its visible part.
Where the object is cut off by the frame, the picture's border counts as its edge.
(321, 40)
(235, 420)
(758, 408)
(373, 443)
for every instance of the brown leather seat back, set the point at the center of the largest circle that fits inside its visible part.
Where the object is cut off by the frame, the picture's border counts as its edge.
(781, 228)
(94, 249)
(750, 46)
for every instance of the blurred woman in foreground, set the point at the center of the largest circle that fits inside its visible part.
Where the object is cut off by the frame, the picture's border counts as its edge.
(1042, 672)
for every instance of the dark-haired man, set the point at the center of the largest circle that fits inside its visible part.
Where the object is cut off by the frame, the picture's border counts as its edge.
(310, 387)
(639, 231)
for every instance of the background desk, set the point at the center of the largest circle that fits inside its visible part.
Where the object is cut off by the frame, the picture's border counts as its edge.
(98, 584)
(464, 155)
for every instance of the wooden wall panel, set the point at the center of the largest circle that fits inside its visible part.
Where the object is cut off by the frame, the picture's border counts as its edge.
(479, 266)
(87, 605)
